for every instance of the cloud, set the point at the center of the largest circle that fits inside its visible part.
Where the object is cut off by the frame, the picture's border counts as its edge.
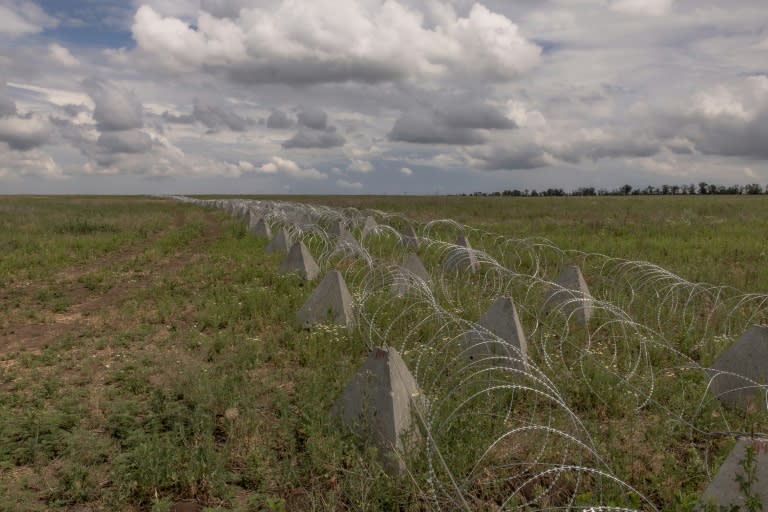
(178, 119)
(504, 157)
(552, 147)
(361, 166)
(246, 166)
(473, 114)
(351, 185)
(282, 166)
(213, 117)
(73, 110)
(184, 9)
(129, 154)
(642, 7)
(318, 139)
(424, 127)
(23, 133)
(279, 120)
(722, 120)
(7, 106)
(62, 56)
(452, 120)
(313, 118)
(405, 171)
(327, 41)
(17, 164)
(225, 8)
(132, 141)
(20, 18)
(115, 109)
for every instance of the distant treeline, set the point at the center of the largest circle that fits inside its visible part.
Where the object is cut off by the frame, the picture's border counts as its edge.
(703, 189)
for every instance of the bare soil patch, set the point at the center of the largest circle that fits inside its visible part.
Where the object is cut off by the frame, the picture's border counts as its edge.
(85, 307)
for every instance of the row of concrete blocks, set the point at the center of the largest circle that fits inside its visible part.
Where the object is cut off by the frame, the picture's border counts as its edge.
(381, 400)
(738, 376)
(383, 397)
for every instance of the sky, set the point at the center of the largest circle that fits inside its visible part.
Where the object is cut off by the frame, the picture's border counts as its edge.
(379, 96)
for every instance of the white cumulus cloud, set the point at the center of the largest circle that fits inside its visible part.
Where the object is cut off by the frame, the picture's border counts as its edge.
(20, 17)
(62, 56)
(361, 166)
(325, 41)
(282, 166)
(350, 185)
(642, 7)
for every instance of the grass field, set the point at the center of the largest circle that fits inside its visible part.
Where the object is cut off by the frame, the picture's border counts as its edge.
(709, 239)
(149, 358)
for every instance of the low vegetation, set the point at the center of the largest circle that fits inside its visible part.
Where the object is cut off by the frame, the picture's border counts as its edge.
(149, 358)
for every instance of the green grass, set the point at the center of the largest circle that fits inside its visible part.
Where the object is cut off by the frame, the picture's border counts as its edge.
(190, 381)
(703, 239)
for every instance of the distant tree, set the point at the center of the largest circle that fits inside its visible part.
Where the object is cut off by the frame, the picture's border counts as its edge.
(625, 190)
(585, 191)
(753, 189)
(703, 188)
(675, 190)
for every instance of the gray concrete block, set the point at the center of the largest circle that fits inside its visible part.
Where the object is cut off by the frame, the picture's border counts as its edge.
(253, 219)
(379, 404)
(330, 302)
(337, 228)
(502, 320)
(738, 373)
(725, 489)
(369, 226)
(346, 242)
(281, 242)
(411, 267)
(261, 229)
(570, 295)
(300, 260)
(409, 237)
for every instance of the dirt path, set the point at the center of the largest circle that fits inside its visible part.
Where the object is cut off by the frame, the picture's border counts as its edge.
(86, 308)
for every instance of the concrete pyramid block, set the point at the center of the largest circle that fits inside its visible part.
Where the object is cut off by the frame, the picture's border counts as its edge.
(329, 302)
(461, 257)
(300, 260)
(409, 237)
(261, 229)
(724, 489)
(411, 266)
(346, 242)
(253, 220)
(378, 404)
(745, 364)
(570, 295)
(337, 228)
(502, 320)
(281, 242)
(369, 226)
